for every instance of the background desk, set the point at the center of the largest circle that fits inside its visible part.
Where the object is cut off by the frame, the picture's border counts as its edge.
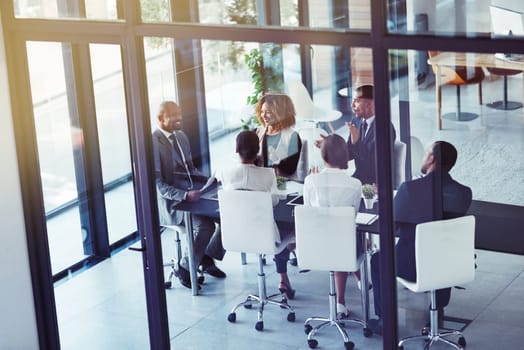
(483, 60)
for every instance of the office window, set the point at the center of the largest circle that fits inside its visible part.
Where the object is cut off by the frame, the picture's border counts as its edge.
(94, 9)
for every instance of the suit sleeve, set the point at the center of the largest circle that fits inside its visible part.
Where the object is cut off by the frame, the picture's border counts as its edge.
(164, 189)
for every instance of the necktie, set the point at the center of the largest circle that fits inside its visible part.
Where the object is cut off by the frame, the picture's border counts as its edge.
(178, 148)
(364, 129)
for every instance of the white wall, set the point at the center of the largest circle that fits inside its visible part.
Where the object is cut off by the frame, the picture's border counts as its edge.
(17, 315)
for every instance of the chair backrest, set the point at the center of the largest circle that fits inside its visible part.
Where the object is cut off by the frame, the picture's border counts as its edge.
(246, 221)
(326, 238)
(399, 169)
(304, 107)
(417, 154)
(445, 253)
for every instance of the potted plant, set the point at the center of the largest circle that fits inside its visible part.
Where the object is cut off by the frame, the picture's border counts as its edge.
(368, 192)
(265, 77)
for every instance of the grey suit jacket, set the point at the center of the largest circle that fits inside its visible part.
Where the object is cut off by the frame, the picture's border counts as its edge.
(172, 181)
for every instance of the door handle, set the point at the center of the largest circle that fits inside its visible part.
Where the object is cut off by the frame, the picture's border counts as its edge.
(141, 249)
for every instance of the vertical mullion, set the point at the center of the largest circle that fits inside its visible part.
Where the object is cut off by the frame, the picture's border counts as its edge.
(383, 150)
(135, 83)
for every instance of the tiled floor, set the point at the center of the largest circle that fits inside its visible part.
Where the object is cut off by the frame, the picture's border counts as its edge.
(104, 308)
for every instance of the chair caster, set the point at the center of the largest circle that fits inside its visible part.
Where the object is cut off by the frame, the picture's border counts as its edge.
(167, 285)
(425, 331)
(201, 279)
(349, 345)
(367, 332)
(312, 343)
(259, 326)
(307, 328)
(232, 317)
(291, 317)
(248, 306)
(293, 262)
(462, 342)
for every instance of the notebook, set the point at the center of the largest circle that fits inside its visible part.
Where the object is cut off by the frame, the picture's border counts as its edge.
(365, 218)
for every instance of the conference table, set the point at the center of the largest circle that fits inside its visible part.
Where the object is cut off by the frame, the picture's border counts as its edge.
(469, 59)
(284, 217)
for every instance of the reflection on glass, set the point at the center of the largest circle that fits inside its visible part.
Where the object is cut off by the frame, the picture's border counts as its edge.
(106, 65)
(485, 145)
(155, 10)
(56, 141)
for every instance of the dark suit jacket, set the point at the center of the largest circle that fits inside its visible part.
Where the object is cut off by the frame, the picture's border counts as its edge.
(432, 197)
(363, 152)
(171, 178)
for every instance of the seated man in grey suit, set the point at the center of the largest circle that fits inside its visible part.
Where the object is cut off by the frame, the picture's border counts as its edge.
(435, 196)
(175, 174)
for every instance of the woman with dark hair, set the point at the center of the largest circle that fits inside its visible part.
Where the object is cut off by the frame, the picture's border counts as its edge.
(248, 176)
(280, 144)
(333, 186)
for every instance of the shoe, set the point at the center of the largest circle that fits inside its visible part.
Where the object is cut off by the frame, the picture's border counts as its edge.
(359, 285)
(375, 324)
(287, 291)
(184, 277)
(342, 312)
(209, 267)
(214, 271)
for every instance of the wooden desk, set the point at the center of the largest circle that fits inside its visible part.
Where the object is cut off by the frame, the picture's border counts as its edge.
(483, 60)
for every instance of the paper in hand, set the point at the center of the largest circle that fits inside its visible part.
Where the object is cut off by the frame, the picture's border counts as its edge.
(208, 183)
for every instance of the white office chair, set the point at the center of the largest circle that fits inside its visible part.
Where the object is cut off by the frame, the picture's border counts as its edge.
(399, 168)
(417, 155)
(445, 257)
(326, 241)
(305, 108)
(248, 225)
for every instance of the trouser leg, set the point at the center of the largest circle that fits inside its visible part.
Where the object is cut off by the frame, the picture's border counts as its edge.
(215, 249)
(281, 260)
(203, 229)
(375, 279)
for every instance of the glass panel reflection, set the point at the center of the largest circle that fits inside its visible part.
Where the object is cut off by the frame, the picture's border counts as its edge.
(95, 9)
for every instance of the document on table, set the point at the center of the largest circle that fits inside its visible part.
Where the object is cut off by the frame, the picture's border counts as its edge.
(365, 218)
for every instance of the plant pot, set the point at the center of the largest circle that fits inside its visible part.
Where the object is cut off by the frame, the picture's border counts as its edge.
(368, 203)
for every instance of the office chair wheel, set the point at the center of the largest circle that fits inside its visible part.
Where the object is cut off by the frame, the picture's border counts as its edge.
(462, 342)
(259, 326)
(349, 345)
(312, 343)
(367, 332)
(201, 279)
(425, 331)
(291, 317)
(307, 328)
(167, 285)
(293, 262)
(232, 317)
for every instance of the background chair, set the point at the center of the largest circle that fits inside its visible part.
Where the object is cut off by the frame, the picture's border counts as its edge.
(417, 155)
(247, 224)
(399, 169)
(305, 108)
(445, 257)
(504, 104)
(326, 241)
(456, 75)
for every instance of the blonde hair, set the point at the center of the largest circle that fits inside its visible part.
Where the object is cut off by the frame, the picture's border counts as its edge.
(280, 106)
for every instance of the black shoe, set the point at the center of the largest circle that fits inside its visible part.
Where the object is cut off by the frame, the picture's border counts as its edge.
(375, 324)
(184, 277)
(214, 271)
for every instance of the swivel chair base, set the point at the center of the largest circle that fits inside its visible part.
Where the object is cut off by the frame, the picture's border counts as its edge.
(261, 300)
(332, 321)
(432, 335)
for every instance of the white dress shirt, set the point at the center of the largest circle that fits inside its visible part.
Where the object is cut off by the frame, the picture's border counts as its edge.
(332, 187)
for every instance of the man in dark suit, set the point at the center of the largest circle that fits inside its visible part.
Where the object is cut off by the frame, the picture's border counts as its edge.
(361, 141)
(435, 196)
(175, 174)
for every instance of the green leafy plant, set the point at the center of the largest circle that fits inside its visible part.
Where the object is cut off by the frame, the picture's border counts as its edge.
(264, 76)
(368, 191)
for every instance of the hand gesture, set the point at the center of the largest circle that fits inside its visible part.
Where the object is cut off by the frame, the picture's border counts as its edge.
(318, 143)
(354, 132)
(193, 195)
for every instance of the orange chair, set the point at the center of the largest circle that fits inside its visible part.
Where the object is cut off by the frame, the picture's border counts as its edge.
(456, 75)
(504, 105)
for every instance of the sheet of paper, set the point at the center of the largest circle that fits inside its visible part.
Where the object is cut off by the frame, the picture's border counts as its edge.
(208, 183)
(365, 218)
